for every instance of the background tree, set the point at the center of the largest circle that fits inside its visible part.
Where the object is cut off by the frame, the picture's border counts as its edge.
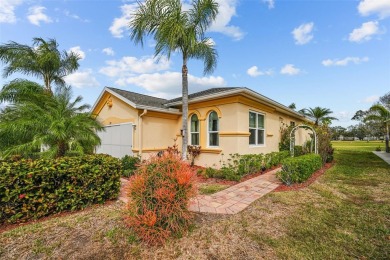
(54, 122)
(178, 30)
(380, 113)
(319, 114)
(292, 106)
(42, 60)
(337, 131)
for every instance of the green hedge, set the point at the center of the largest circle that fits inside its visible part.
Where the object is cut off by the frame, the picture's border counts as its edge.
(299, 169)
(129, 165)
(238, 165)
(33, 189)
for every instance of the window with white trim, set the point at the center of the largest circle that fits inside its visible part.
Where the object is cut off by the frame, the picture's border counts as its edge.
(256, 128)
(213, 129)
(194, 130)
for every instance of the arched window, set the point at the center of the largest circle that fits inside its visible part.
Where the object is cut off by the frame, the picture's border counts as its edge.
(213, 128)
(194, 130)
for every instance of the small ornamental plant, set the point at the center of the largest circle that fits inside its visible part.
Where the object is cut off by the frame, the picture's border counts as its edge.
(159, 195)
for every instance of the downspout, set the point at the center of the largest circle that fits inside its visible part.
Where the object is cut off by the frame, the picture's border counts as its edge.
(140, 131)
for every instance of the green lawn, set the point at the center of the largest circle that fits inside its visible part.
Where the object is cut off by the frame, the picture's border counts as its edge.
(345, 214)
(358, 145)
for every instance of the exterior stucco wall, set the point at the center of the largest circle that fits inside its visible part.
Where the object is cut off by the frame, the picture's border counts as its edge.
(158, 133)
(160, 130)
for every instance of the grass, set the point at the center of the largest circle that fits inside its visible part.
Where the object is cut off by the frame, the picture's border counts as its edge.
(345, 214)
(359, 145)
(207, 189)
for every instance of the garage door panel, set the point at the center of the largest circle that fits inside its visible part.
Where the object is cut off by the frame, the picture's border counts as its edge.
(116, 140)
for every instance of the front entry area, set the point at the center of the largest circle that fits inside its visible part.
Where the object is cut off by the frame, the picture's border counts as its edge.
(116, 140)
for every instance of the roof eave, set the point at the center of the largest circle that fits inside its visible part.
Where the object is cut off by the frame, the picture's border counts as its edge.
(132, 104)
(206, 97)
(247, 91)
(284, 109)
(157, 109)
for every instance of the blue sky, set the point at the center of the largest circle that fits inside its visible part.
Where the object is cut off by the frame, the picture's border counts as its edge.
(333, 54)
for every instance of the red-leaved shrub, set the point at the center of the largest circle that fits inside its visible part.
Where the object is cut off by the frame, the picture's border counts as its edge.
(159, 194)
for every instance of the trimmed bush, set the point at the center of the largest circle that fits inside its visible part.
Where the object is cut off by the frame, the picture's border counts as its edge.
(129, 165)
(33, 189)
(238, 166)
(159, 194)
(299, 169)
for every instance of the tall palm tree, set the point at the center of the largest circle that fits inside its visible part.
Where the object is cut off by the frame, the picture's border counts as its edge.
(54, 122)
(319, 114)
(178, 30)
(380, 113)
(42, 60)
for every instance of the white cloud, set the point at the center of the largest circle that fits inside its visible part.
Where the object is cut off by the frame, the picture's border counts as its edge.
(270, 3)
(130, 65)
(343, 116)
(365, 32)
(290, 69)
(7, 10)
(371, 99)
(36, 15)
(302, 34)
(108, 51)
(78, 51)
(82, 79)
(255, 72)
(227, 9)
(379, 7)
(75, 16)
(168, 84)
(344, 62)
(119, 25)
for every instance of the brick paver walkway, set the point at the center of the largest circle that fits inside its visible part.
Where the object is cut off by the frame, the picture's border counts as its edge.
(236, 198)
(231, 200)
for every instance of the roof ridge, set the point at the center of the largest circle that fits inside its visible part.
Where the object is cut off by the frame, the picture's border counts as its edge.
(132, 92)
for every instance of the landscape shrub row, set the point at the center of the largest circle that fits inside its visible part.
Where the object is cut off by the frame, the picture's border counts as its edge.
(159, 194)
(129, 165)
(299, 169)
(238, 165)
(30, 189)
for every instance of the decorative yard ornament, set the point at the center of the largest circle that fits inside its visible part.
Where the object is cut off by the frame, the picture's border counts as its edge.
(292, 139)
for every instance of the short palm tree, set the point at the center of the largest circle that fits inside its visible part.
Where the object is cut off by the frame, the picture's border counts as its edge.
(42, 60)
(55, 123)
(178, 30)
(380, 113)
(319, 114)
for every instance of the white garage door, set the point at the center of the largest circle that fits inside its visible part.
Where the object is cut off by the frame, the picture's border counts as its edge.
(117, 140)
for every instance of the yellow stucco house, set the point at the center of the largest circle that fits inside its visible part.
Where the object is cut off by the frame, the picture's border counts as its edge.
(221, 120)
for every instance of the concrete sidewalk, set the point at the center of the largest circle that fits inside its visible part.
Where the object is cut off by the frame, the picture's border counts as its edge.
(383, 155)
(236, 198)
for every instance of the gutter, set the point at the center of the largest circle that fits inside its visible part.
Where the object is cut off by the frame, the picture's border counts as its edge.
(248, 92)
(140, 131)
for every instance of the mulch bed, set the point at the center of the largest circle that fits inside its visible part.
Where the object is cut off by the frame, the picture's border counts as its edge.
(298, 186)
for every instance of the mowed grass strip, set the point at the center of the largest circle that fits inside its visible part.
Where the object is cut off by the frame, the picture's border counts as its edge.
(358, 145)
(345, 214)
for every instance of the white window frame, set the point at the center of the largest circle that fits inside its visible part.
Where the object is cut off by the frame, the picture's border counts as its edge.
(194, 132)
(210, 132)
(257, 128)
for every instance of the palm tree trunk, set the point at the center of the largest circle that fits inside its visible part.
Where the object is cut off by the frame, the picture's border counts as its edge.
(47, 86)
(61, 149)
(184, 72)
